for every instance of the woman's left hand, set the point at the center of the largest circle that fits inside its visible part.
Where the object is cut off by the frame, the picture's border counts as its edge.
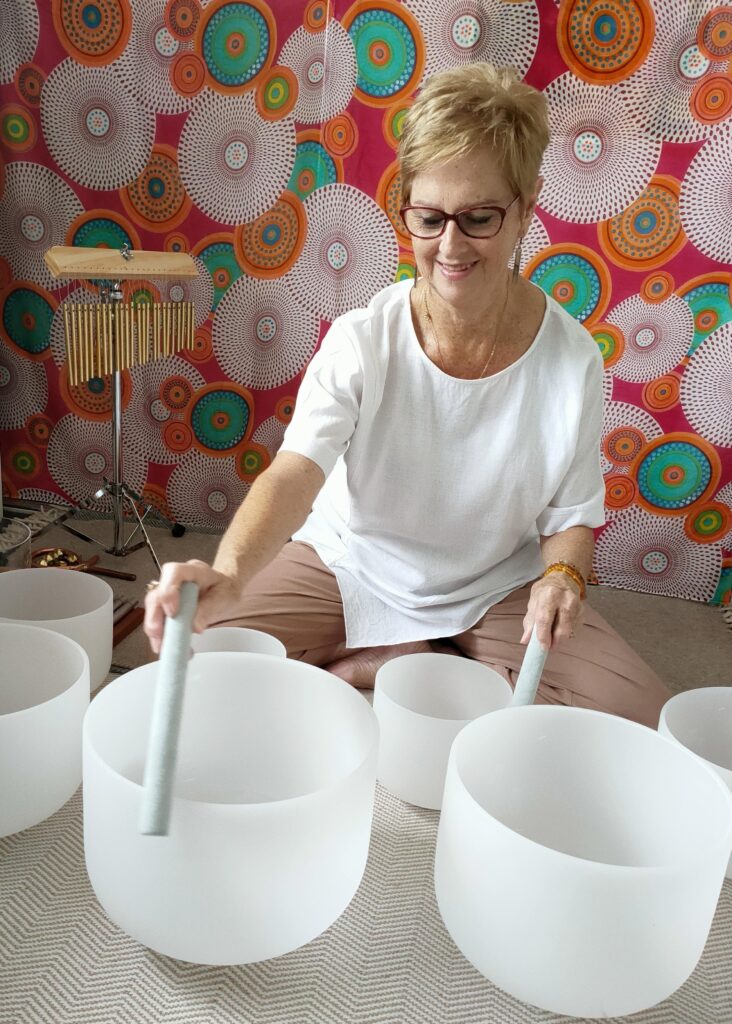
(554, 608)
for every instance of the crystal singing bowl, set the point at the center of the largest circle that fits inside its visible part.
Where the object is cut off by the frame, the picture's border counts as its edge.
(75, 604)
(237, 638)
(44, 692)
(579, 858)
(271, 814)
(701, 721)
(422, 701)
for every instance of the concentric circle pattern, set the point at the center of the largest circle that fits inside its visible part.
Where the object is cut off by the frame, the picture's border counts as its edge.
(656, 335)
(218, 256)
(610, 341)
(29, 79)
(675, 472)
(662, 393)
(314, 166)
(96, 131)
(93, 32)
(724, 497)
(157, 199)
(657, 287)
(626, 429)
(277, 93)
(706, 211)
(205, 491)
(658, 93)
(36, 210)
(706, 388)
(710, 299)
(23, 388)
(389, 51)
(605, 41)
(350, 252)
(18, 131)
(652, 554)
(236, 42)
(459, 32)
(26, 313)
(709, 523)
(714, 34)
(325, 68)
(648, 233)
(594, 167)
(220, 417)
(19, 31)
(270, 246)
(262, 336)
(573, 275)
(149, 414)
(145, 65)
(270, 433)
(102, 229)
(80, 456)
(233, 163)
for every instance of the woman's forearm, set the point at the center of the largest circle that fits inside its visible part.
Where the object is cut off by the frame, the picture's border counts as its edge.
(575, 545)
(277, 505)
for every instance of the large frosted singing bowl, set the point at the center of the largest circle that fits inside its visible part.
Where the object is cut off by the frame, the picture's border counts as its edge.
(44, 692)
(579, 858)
(237, 638)
(271, 813)
(422, 701)
(75, 604)
(701, 720)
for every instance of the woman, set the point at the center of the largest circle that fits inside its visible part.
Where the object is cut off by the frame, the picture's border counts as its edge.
(440, 477)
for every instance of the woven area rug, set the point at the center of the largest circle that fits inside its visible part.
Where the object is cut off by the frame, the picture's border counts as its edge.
(387, 960)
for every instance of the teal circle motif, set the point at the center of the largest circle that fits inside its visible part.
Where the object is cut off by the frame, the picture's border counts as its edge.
(712, 296)
(101, 232)
(220, 260)
(242, 24)
(573, 274)
(723, 593)
(91, 16)
(219, 419)
(27, 320)
(313, 158)
(377, 29)
(692, 475)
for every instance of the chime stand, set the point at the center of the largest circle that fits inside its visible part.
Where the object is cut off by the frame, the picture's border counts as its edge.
(119, 491)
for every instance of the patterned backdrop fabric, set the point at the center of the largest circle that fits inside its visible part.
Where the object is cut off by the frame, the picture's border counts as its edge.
(261, 138)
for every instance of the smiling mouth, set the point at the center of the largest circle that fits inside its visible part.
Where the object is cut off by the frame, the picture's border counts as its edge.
(457, 266)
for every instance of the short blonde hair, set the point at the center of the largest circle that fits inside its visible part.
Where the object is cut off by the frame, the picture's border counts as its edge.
(470, 106)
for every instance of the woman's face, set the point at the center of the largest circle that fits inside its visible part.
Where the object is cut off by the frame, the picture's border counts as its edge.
(465, 271)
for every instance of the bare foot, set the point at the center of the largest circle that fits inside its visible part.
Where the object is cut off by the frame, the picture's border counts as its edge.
(360, 669)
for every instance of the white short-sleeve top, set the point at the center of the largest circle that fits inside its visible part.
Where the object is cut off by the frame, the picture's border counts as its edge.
(438, 488)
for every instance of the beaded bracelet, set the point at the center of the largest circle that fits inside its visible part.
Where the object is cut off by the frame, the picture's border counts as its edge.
(569, 570)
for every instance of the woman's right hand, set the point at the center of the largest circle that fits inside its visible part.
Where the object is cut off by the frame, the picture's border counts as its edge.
(217, 594)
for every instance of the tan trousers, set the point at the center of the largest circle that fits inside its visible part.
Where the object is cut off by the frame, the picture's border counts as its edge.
(296, 598)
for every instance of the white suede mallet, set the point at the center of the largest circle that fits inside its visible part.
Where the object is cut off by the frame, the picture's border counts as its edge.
(530, 675)
(162, 748)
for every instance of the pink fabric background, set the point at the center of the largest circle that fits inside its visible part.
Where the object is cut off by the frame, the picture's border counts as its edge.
(641, 153)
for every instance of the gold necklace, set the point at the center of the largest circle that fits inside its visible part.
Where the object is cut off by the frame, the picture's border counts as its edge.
(443, 367)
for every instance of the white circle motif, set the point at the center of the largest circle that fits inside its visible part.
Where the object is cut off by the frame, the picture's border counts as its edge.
(19, 31)
(217, 501)
(159, 411)
(98, 122)
(95, 462)
(177, 293)
(166, 44)
(655, 562)
(316, 72)
(25, 388)
(466, 31)
(692, 63)
(645, 337)
(587, 147)
(705, 202)
(4, 376)
(236, 154)
(266, 328)
(337, 255)
(32, 228)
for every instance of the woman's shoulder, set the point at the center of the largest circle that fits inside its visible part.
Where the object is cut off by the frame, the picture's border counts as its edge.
(393, 299)
(566, 334)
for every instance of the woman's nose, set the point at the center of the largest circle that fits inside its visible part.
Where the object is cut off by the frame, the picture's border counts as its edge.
(452, 239)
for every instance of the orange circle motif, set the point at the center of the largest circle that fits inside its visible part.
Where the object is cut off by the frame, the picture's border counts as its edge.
(270, 245)
(662, 393)
(620, 490)
(187, 74)
(340, 135)
(317, 15)
(605, 41)
(93, 34)
(711, 99)
(648, 233)
(657, 287)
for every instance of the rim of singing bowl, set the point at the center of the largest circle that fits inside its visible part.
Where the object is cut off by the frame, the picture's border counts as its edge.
(693, 761)
(242, 632)
(385, 684)
(266, 661)
(677, 701)
(80, 580)
(50, 636)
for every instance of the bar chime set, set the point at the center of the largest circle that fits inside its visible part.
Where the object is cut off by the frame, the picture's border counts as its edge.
(108, 336)
(112, 335)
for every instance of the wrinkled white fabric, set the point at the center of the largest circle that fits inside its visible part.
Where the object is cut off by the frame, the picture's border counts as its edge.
(437, 488)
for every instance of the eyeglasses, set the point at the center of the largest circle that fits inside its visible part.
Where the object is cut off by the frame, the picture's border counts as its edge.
(475, 221)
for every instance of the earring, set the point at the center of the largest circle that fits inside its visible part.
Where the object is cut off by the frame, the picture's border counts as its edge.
(517, 259)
